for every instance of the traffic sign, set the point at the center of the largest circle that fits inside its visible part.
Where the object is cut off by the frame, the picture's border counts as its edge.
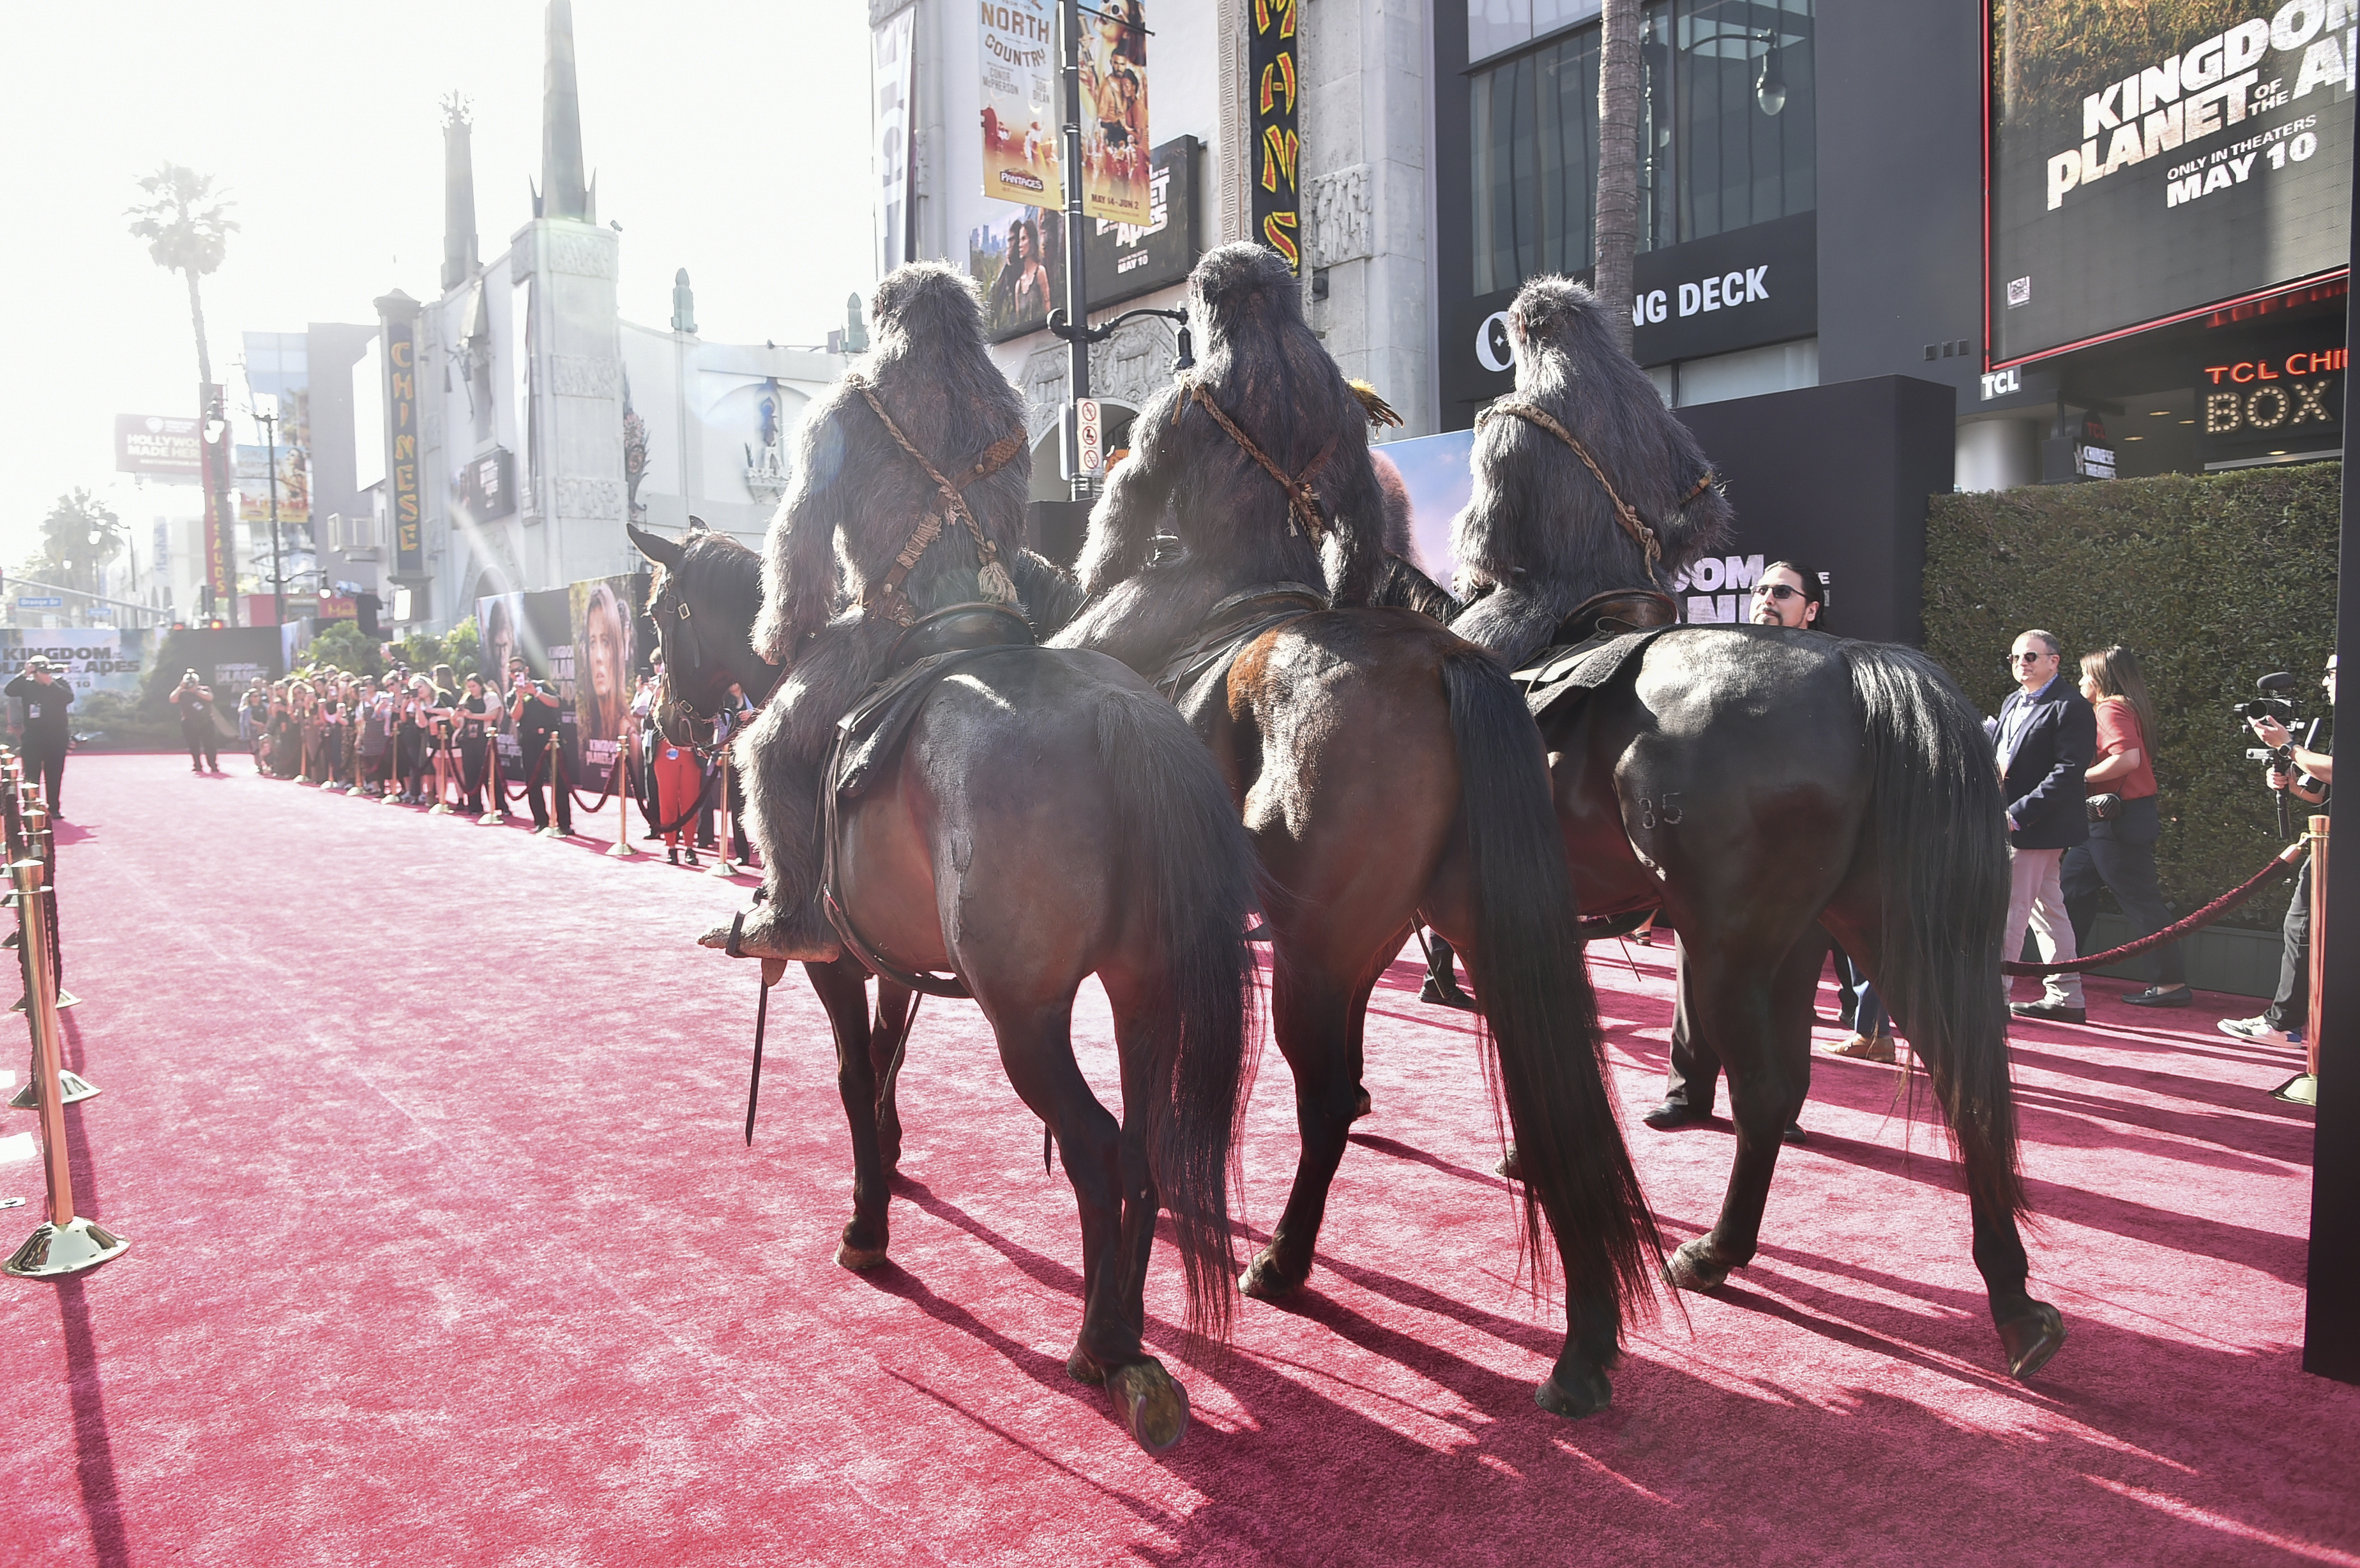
(40, 602)
(1091, 433)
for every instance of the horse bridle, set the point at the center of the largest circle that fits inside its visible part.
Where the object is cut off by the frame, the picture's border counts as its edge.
(674, 711)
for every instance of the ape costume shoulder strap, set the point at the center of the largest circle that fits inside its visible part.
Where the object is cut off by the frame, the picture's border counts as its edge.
(886, 598)
(1302, 501)
(1627, 515)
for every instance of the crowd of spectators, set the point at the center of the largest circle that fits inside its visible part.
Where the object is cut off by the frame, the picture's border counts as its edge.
(433, 740)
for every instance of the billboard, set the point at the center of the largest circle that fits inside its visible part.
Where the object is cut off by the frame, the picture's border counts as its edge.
(89, 658)
(1020, 144)
(1019, 259)
(892, 84)
(2152, 157)
(160, 447)
(254, 490)
(1114, 111)
(535, 626)
(606, 660)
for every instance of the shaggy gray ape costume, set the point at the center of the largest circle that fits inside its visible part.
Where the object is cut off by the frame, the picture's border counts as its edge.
(1540, 533)
(856, 499)
(1238, 527)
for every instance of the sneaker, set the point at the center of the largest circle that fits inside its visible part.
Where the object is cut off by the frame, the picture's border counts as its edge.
(2258, 1029)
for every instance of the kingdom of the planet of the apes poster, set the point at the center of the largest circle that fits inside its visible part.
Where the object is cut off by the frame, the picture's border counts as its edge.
(2153, 157)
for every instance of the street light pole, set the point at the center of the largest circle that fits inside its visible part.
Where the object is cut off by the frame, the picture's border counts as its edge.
(1077, 293)
(269, 423)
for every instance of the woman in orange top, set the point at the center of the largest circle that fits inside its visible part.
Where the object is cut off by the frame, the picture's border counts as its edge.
(2120, 854)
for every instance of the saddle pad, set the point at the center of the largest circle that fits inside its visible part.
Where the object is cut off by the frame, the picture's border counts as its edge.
(869, 736)
(1224, 633)
(1567, 674)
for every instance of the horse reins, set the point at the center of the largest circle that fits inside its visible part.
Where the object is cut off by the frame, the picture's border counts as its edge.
(1627, 515)
(1302, 501)
(887, 598)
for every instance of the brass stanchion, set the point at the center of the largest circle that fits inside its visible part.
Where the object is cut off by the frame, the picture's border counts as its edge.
(64, 1244)
(2302, 1089)
(496, 809)
(625, 746)
(723, 841)
(556, 783)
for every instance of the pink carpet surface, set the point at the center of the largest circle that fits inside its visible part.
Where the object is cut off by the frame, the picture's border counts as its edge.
(446, 1248)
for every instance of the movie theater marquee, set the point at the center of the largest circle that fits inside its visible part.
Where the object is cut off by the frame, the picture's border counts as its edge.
(2127, 187)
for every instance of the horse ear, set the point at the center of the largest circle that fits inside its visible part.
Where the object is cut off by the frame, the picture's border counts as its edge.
(655, 547)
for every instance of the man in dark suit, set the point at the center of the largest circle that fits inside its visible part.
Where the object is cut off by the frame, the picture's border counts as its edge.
(2046, 734)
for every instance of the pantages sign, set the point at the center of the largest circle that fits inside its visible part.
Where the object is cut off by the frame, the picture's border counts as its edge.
(1740, 290)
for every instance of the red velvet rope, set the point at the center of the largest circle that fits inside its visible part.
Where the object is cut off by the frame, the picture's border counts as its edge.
(2203, 917)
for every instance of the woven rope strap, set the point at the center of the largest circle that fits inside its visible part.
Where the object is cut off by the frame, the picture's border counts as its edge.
(993, 578)
(1632, 524)
(1302, 501)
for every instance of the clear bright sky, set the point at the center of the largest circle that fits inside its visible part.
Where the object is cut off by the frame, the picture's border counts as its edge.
(727, 137)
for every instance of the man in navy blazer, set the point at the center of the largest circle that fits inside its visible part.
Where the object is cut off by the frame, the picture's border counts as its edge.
(2046, 734)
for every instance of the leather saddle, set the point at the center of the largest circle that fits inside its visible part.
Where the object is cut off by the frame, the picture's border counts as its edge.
(1593, 643)
(871, 736)
(1225, 630)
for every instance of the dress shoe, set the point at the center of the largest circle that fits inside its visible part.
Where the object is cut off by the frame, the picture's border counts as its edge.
(2050, 1012)
(1445, 995)
(1674, 1114)
(2157, 997)
(1859, 1047)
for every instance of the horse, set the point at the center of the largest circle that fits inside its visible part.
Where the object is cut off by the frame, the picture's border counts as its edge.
(1047, 817)
(1764, 788)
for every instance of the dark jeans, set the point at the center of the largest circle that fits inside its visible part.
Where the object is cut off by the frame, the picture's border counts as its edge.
(540, 762)
(2120, 855)
(45, 764)
(202, 747)
(2291, 1009)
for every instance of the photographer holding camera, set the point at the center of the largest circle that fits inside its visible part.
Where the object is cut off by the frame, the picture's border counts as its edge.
(195, 701)
(44, 738)
(533, 707)
(2303, 774)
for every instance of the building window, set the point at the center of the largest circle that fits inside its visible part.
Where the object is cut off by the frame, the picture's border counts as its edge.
(1727, 122)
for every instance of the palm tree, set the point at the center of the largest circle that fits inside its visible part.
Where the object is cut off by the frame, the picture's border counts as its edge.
(187, 231)
(1618, 161)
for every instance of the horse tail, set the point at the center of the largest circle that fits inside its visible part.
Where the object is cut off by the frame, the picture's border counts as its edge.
(1198, 891)
(1939, 823)
(1540, 1017)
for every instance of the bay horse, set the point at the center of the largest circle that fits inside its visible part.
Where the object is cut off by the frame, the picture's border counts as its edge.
(1763, 788)
(1047, 818)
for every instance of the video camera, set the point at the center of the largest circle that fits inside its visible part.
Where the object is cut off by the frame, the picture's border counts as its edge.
(2273, 704)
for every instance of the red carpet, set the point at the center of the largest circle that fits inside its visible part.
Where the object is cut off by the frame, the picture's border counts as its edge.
(446, 1249)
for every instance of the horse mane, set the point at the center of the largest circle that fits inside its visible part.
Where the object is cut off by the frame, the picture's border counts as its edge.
(1536, 510)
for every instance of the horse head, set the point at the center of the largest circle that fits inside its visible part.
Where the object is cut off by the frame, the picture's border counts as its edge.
(703, 598)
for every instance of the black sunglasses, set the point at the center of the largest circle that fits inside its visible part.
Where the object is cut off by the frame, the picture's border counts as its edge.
(1778, 591)
(2016, 659)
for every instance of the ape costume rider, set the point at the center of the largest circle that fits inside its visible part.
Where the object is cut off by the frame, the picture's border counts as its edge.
(1538, 489)
(910, 482)
(1258, 461)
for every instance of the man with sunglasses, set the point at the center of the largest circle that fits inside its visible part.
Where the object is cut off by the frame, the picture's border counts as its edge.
(1784, 595)
(2046, 734)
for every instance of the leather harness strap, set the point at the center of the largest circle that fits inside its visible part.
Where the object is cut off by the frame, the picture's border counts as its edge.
(1627, 515)
(1302, 501)
(886, 597)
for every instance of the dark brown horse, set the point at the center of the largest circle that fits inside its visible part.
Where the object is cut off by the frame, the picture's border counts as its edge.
(1764, 788)
(1048, 817)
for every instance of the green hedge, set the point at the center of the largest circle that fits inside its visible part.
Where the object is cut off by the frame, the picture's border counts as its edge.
(2211, 581)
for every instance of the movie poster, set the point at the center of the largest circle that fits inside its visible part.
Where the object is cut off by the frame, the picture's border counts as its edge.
(538, 627)
(254, 485)
(2151, 158)
(1020, 263)
(1114, 111)
(1021, 140)
(606, 659)
(501, 632)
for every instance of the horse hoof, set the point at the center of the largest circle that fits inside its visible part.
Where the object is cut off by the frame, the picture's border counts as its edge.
(859, 1259)
(2031, 1340)
(1510, 1166)
(1697, 1267)
(1264, 1280)
(1152, 1407)
(1591, 1394)
(1362, 1106)
(1082, 1369)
